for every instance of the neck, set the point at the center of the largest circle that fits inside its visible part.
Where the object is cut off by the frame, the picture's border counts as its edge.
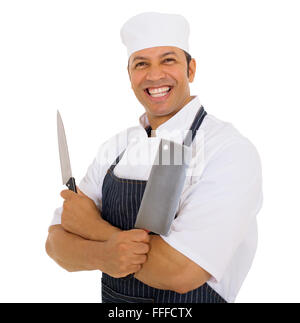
(156, 121)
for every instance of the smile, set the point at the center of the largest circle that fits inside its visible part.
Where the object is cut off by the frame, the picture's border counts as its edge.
(158, 94)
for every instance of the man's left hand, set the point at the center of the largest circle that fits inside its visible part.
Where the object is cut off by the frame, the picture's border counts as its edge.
(80, 214)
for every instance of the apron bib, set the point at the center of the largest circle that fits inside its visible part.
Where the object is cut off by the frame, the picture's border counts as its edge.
(121, 199)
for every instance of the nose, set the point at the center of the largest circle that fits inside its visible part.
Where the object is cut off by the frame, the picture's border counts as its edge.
(155, 73)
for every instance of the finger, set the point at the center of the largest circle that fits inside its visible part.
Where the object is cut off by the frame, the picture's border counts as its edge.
(139, 235)
(134, 268)
(140, 248)
(138, 260)
(67, 194)
(66, 205)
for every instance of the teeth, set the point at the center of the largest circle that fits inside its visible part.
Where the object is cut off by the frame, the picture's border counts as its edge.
(158, 94)
(159, 90)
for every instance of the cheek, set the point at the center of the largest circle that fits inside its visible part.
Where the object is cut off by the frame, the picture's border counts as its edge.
(181, 79)
(178, 74)
(136, 80)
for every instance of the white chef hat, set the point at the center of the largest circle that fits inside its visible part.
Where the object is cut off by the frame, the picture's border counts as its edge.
(152, 29)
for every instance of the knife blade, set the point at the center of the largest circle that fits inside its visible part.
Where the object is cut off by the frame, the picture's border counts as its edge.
(65, 164)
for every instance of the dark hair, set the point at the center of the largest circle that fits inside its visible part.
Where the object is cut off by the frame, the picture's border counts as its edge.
(188, 60)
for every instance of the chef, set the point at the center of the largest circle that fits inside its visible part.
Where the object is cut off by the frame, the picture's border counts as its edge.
(210, 247)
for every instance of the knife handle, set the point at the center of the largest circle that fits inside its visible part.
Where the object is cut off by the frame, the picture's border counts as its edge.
(71, 184)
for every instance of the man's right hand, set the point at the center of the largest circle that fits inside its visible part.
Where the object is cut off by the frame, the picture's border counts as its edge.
(125, 252)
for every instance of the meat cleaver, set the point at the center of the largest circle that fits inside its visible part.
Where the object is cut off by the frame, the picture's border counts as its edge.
(164, 187)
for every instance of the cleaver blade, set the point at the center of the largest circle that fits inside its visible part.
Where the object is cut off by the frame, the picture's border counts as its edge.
(164, 187)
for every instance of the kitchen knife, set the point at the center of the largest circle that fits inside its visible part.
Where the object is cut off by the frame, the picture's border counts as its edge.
(164, 187)
(65, 164)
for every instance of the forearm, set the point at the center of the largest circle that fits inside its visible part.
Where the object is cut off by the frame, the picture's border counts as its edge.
(102, 230)
(73, 252)
(162, 270)
(68, 267)
(167, 268)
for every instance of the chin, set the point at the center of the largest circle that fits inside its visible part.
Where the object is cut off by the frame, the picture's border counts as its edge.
(160, 111)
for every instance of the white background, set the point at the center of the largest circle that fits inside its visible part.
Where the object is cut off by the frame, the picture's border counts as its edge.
(68, 55)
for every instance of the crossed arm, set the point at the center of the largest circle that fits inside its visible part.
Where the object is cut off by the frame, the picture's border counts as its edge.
(84, 241)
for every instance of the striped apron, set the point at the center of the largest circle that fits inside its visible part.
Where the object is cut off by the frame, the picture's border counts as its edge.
(121, 199)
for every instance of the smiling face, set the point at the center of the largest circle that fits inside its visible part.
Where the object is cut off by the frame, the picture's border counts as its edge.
(160, 82)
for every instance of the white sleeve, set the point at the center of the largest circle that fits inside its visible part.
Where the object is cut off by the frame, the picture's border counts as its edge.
(90, 183)
(56, 216)
(216, 212)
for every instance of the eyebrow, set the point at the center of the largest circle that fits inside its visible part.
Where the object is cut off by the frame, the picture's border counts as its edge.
(147, 58)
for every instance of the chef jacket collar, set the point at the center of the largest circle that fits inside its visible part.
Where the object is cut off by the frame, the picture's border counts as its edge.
(180, 122)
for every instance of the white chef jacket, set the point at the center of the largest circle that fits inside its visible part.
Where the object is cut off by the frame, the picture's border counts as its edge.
(216, 223)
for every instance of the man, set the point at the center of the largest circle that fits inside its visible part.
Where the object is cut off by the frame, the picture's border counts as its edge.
(212, 241)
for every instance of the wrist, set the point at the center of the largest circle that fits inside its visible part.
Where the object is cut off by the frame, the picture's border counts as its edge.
(103, 230)
(94, 255)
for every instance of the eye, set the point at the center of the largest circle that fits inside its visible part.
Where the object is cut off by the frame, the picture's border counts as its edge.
(169, 60)
(140, 64)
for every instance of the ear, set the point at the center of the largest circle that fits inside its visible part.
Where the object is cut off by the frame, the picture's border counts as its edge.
(192, 70)
(129, 77)
(128, 69)
(128, 73)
